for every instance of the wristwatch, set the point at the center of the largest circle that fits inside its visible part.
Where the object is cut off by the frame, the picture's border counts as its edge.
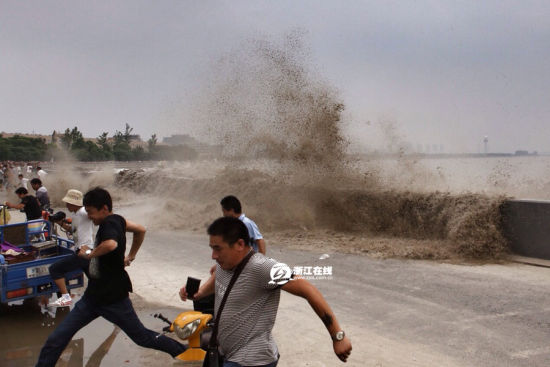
(88, 251)
(339, 336)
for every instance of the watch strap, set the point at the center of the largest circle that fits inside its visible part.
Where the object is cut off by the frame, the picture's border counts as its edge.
(339, 336)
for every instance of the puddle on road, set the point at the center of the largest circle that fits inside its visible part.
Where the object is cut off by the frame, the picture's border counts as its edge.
(24, 329)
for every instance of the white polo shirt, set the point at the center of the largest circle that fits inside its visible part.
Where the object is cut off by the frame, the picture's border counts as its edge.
(83, 229)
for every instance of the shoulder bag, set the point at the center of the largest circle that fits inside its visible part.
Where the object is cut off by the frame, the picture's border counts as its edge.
(213, 358)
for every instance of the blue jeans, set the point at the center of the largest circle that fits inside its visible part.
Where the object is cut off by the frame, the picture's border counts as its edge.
(235, 364)
(120, 313)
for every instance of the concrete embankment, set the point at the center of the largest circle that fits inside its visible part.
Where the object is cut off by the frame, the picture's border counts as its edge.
(526, 224)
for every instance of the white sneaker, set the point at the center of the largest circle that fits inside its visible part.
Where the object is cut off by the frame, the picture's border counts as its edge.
(61, 302)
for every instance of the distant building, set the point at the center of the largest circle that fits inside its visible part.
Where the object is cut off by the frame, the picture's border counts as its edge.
(134, 140)
(205, 150)
(134, 137)
(525, 152)
(180, 139)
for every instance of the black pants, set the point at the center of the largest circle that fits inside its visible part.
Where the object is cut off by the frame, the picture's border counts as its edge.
(70, 263)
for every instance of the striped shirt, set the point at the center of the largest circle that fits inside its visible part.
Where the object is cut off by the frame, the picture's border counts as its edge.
(244, 331)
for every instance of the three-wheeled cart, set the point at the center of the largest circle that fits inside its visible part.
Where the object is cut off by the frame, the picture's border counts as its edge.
(26, 275)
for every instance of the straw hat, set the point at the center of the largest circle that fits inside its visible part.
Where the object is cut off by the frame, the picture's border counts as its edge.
(73, 197)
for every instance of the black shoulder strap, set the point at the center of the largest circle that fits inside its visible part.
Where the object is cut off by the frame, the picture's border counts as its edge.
(238, 270)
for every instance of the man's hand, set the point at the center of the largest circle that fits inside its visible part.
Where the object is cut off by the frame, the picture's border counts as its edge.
(342, 348)
(302, 288)
(82, 252)
(213, 269)
(128, 260)
(184, 296)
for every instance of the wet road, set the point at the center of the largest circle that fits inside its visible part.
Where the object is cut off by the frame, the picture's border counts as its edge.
(397, 313)
(24, 329)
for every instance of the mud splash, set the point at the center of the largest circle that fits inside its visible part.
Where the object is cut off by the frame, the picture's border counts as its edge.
(265, 103)
(285, 156)
(264, 99)
(467, 225)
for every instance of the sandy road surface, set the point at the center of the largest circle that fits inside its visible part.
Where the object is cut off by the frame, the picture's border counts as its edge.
(398, 313)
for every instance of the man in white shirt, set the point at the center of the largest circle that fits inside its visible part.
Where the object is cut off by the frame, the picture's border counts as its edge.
(82, 231)
(22, 181)
(40, 172)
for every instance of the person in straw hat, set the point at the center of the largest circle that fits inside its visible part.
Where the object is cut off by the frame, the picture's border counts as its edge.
(82, 230)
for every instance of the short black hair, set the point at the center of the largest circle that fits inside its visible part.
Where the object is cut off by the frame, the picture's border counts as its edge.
(36, 181)
(21, 191)
(97, 198)
(230, 229)
(231, 202)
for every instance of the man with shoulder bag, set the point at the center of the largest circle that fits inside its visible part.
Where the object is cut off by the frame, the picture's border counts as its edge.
(247, 299)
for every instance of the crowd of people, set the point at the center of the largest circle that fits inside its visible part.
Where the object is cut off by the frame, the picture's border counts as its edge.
(242, 270)
(17, 174)
(32, 205)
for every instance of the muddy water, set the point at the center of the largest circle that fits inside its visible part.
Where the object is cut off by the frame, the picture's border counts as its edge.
(406, 207)
(26, 327)
(466, 225)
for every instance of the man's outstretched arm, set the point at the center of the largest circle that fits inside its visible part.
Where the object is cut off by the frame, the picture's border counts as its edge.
(14, 206)
(303, 288)
(138, 232)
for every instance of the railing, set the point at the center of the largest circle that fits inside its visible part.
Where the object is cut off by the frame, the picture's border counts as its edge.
(33, 230)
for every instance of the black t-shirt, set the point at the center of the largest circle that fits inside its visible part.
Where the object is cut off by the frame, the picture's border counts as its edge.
(32, 207)
(109, 282)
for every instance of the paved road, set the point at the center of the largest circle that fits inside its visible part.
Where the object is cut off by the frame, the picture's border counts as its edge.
(398, 313)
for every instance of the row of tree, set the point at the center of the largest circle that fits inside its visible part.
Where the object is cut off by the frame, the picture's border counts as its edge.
(118, 148)
(19, 148)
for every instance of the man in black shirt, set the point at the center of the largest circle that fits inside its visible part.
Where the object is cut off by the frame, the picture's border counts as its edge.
(28, 203)
(108, 284)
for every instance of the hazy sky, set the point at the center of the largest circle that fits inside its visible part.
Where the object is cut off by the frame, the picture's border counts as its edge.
(443, 72)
